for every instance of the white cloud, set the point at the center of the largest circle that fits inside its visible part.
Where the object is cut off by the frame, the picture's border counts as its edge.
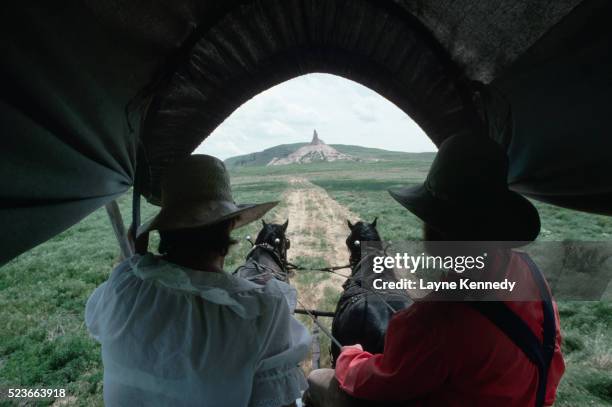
(342, 111)
(367, 109)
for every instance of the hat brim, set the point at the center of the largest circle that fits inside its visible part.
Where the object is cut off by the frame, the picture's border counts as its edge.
(505, 216)
(168, 219)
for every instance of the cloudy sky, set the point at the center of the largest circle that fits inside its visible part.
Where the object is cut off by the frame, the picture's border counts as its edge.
(342, 111)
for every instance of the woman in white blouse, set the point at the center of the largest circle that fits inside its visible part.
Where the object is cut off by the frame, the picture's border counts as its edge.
(176, 330)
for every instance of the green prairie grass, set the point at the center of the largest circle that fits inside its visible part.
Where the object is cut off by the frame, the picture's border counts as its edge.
(43, 341)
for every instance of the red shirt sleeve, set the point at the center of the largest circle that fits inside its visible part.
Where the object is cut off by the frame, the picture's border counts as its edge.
(413, 345)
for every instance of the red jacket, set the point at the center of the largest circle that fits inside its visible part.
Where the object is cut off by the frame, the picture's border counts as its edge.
(448, 354)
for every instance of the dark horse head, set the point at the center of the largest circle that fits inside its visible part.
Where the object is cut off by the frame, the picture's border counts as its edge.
(274, 236)
(363, 313)
(360, 232)
(268, 257)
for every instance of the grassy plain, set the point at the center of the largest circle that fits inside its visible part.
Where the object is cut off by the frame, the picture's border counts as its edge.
(43, 341)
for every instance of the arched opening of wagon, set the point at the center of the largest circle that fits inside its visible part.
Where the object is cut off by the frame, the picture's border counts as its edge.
(328, 149)
(255, 48)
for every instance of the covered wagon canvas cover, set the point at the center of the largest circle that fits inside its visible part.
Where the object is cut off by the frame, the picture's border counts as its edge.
(77, 78)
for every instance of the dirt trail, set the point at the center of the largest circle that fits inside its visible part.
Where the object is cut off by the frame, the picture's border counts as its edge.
(317, 228)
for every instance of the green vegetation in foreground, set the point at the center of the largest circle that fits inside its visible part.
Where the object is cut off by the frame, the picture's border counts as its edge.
(587, 348)
(43, 341)
(310, 277)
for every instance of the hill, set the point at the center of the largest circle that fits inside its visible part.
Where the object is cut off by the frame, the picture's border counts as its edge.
(262, 158)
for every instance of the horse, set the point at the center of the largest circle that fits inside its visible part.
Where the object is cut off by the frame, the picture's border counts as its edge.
(267, 262)
(267, 258)
(363, 313)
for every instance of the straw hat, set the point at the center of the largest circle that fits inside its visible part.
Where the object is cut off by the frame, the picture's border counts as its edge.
(466, 194)
(196, 192)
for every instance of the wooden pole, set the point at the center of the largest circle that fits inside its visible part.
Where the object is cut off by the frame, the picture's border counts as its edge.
(114, 214)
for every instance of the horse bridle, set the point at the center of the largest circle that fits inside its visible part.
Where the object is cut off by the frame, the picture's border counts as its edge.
(279, 257)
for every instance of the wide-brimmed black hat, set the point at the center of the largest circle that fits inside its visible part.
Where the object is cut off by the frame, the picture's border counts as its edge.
(466, 196)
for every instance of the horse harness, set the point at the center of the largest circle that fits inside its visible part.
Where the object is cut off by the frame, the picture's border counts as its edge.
(262, 270)
(355, 292)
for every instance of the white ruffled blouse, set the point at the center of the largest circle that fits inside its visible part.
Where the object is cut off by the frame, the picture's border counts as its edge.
(172, 336)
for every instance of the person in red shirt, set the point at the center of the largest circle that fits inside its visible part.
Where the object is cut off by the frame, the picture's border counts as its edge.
(461, 353)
